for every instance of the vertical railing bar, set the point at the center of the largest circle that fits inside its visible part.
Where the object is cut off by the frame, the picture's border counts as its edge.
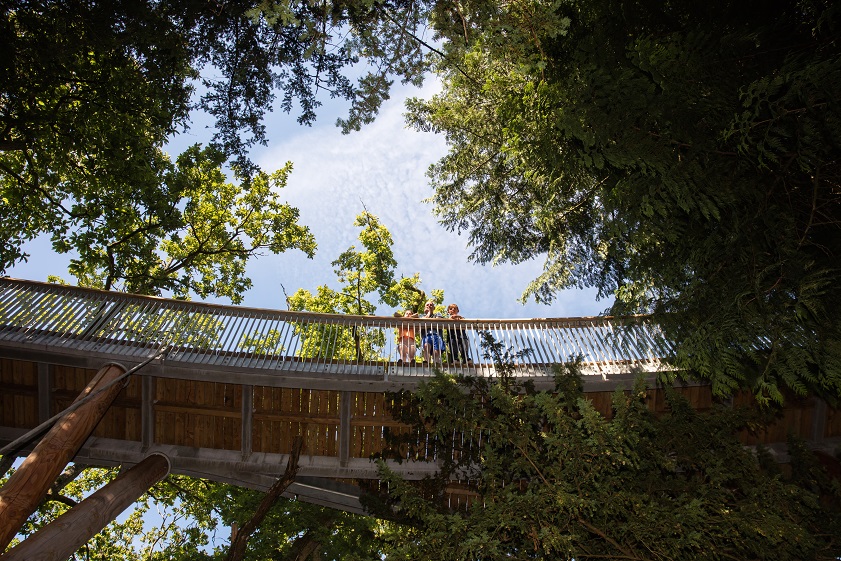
(363, 359)
(38, 314)
(595, 341)
(574, 345)
(226, 317)
(207, 345)
(126, 316)
(74, 314)
(551, 341)
(148, 321)
(511, 333)
(234, 332)
(7, 293)
(634, 347)
(143, 325)
(75, 327)
(537, 334)
(191, 328)
(257, 329)
(97, 335)
(556, 331)
(27, 308)
(279, 350)
(298, 342)
(126, 327)
(253, 328)
(324, 347)
(215, 321)
(234, 343)
(10, 300)
(525, 343)
(327, 349)
(265, 353)
(653, 346)
(52, 314)
(288, 339)
(584, 338)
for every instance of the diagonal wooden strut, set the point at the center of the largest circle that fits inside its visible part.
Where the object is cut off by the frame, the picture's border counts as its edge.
(59, 539)
(27, 486)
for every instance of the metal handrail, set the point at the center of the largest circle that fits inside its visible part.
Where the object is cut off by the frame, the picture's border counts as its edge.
(199, 333)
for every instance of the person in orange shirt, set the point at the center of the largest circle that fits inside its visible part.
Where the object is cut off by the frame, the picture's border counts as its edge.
(406, 345)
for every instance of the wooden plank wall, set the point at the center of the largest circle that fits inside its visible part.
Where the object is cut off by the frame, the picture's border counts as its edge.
(121, 421)
(280, 414)
(209, 414)
(198, 413)
(18, 394)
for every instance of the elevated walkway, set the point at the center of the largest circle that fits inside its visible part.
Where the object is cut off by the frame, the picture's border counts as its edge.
(228, 388)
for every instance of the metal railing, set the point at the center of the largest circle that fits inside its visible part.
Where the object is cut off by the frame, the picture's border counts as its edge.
(34, 314)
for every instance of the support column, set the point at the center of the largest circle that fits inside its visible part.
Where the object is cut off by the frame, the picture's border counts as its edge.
(247, 425)
(59, 539)
(44, 393)
(345, 407)
(21, 494)
(147, 412)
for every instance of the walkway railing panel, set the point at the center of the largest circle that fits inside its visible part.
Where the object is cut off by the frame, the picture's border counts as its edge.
(201, 334)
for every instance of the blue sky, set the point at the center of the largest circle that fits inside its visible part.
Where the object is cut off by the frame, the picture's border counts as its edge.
(382, 167)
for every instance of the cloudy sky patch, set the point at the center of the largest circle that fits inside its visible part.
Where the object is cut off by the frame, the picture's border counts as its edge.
(381, 168)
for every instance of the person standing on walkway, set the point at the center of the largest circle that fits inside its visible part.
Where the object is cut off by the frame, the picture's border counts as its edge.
(432, 343)
(407, 345)
(457, 338)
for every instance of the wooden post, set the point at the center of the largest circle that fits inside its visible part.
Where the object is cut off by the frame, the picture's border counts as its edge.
(59, 539)
(27, 487)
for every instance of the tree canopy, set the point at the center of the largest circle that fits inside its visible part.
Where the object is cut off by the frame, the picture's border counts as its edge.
(90, 93)
(681, 157)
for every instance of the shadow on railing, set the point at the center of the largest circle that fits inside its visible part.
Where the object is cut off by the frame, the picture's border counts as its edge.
(78, 320)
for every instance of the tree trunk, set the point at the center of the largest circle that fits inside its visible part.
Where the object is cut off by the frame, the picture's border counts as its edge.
(59, 539)
(28, 486)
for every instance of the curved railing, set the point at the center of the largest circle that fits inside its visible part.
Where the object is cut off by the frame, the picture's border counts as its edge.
(41, 315)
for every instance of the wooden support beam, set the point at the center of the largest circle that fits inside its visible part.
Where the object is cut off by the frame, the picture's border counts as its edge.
(247, 416)
(59, 539)
(27, 486)
(819, 416)
(345, 409)
(44, 391)
(147, 411)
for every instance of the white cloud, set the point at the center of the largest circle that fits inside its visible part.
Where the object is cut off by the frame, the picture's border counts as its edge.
(384, 166)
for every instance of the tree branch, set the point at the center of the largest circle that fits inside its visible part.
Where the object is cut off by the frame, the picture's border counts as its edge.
(237, 549)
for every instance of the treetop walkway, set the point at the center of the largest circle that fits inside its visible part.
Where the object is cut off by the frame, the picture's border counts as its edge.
(222, 391)
(314, 350)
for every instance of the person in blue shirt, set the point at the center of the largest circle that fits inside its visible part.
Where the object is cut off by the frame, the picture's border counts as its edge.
(432, 343)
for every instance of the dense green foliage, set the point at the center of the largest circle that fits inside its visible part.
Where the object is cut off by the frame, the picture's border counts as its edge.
(682, 157)
(555, 479)
(90, 92)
